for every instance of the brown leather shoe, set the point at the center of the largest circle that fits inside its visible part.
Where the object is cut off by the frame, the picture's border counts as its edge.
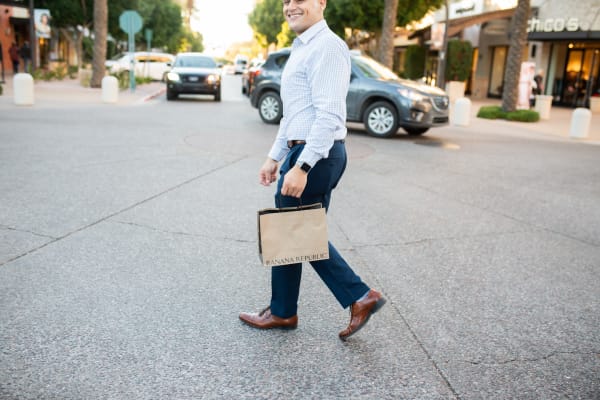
(361, 311)
(266, 320)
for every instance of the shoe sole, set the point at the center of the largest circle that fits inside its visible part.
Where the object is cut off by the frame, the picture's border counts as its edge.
(380, 303)
(285, 328)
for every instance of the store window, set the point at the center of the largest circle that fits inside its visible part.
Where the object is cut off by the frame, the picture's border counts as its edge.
(497, 71)
(578, 80)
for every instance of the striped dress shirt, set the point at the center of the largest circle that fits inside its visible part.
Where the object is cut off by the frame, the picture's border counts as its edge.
(314, 85)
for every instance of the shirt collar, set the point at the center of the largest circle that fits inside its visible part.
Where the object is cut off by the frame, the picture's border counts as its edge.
(312, 31)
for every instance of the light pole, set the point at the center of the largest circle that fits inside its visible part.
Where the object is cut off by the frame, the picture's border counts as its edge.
(440, 80)
(32, 39)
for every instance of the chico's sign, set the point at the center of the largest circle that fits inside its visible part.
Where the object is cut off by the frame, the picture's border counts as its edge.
(553, 25)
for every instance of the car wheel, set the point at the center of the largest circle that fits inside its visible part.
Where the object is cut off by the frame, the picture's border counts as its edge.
(415, 131)
(381, 119)
(270, 108)
(171, 95)
(218, 95)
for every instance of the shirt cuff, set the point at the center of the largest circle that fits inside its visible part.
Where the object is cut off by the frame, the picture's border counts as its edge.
(308, 156)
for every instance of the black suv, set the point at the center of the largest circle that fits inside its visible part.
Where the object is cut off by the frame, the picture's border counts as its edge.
(377, 97)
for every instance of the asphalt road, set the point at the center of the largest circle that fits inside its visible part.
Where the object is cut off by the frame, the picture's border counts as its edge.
(128, 248)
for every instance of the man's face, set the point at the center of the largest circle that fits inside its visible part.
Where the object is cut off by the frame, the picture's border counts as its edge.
(302, 14)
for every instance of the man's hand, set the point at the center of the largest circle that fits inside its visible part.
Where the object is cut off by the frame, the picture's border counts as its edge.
(268, 172)
(294, 182)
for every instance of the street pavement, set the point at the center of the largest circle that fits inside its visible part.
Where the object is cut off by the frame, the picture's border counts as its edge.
(128, 248)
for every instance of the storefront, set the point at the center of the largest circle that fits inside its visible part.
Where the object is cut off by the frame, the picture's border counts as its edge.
(570, 44)
(563, 43)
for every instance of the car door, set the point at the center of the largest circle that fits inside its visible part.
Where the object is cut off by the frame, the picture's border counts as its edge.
(353, 98)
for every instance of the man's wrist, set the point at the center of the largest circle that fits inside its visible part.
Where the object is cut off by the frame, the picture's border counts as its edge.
(306, 167)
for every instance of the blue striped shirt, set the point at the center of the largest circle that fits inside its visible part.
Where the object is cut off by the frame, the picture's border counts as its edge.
(314, 86)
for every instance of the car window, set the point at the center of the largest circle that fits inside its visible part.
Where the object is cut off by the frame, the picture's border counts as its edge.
(281, 60)
(372, 69)
(195, 62)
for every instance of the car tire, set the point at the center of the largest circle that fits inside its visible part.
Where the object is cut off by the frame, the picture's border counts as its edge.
(270, 108)
(381, 119)
(171, 95)
(218, 95)
(415, 131)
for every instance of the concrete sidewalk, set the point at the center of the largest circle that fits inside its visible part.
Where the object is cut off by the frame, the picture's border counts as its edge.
(69, 92)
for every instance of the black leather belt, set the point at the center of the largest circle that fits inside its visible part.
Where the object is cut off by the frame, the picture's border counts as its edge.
(292, 143)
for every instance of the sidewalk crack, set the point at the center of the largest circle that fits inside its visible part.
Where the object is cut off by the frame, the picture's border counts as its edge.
(530, 360)
(10, 228)
(197, 235)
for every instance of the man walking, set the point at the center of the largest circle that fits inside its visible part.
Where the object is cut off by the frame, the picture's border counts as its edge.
(310, 140)
(26, 56)
(13, 51)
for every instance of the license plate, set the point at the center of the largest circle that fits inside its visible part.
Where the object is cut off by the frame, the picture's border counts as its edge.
(193, 79)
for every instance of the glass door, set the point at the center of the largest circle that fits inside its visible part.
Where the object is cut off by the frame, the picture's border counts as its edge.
(581, 76)
(497, 71)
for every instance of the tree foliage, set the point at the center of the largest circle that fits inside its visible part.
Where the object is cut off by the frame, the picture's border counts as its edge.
(367, 15)
(74, 18)
(266, 20)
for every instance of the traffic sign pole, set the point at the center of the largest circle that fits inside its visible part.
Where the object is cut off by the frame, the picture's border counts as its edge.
(131, 23)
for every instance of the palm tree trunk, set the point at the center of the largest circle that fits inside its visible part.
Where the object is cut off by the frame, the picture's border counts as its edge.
(386, 44)
(518, 41)
(100, 33)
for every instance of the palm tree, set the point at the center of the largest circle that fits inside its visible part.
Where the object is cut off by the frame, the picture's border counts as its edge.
(518, 41)
(386, 44)
(100, 33)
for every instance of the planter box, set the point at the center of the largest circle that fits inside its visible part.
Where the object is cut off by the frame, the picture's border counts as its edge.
(595, 104)
(455, 90)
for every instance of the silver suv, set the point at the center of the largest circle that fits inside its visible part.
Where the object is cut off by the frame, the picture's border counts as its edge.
(377, 97)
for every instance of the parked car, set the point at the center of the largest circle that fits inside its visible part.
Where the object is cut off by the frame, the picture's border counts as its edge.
(194, 73)
(240, 64)
(377, 97)
(146, 64)
(249, 74)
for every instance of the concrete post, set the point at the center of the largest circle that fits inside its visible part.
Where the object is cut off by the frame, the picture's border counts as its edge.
(580, 123)
(543, 104)
(462, 112)
(110, 89)
(23, 89)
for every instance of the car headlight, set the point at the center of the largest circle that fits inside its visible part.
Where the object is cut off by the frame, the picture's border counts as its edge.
(411, 94)
(173, 76)
(211, 79)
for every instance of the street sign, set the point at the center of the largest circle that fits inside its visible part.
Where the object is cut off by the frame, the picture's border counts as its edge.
(131, 22)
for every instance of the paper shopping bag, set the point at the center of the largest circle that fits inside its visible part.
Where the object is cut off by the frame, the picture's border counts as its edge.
(292, 235)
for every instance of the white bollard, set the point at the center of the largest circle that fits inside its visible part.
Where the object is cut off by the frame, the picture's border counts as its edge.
(23, 89)
(110, 89)
(462, 112)
(543, 104)
(580, 123)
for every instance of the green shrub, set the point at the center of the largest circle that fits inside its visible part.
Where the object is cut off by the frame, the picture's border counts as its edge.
(491, 112)
(459, 61)
(414, 63)
(523, 116)
(72, 70)
(495, 112)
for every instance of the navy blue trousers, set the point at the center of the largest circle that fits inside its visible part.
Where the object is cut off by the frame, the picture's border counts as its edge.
(346, 286)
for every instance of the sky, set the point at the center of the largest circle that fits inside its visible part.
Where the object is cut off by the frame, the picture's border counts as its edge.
(222, 22)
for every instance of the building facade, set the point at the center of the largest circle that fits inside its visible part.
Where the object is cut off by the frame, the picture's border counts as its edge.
(563, 44)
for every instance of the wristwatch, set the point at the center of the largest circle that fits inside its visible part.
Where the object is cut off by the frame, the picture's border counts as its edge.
(304, 167)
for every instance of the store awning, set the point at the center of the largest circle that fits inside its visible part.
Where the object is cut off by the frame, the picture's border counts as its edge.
(459, 24)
